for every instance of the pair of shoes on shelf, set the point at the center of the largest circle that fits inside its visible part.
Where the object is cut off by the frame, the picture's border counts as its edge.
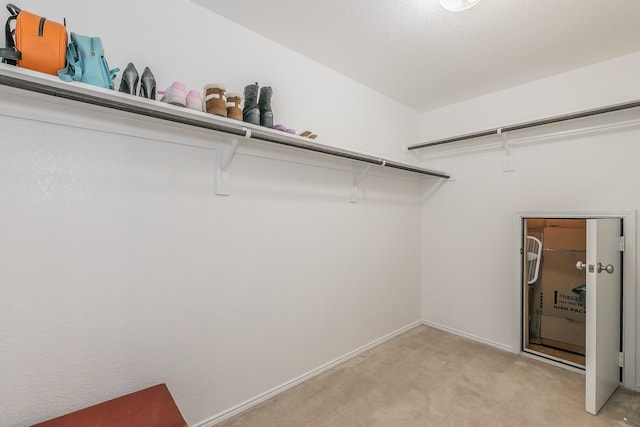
(308, 134)
(222, 103)
(258, 110)
(176, 94)
(130, 78)
(283, 128)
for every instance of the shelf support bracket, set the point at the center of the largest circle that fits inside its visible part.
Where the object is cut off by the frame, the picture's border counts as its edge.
(355, 193)
(508, 164)
(433, 187)
(224, 161)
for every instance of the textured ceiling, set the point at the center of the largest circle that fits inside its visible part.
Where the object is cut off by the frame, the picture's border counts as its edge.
(426, 57)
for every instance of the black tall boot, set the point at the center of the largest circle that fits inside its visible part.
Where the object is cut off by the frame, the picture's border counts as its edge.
(266, 115)
(251, 112)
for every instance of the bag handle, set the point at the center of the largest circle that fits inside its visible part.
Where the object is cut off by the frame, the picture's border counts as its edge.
(73, 70)
(9, 33)
(10, 55)
(13, 9)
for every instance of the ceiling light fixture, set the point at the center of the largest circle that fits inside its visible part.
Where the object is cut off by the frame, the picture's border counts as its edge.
(458, 5)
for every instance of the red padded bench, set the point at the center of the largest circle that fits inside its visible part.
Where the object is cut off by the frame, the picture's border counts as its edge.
(151, 407)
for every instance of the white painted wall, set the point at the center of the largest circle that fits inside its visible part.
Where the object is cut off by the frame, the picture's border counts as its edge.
(467, 231)
(122, 269)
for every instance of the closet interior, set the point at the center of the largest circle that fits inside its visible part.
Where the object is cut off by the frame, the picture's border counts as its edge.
(554, 303)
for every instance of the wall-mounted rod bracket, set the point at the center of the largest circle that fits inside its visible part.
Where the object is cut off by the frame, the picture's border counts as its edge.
(358, 180)
(432, 187)
(355, 193)
(505, 140)
(225, 158)
(508, 164)
(228, 157)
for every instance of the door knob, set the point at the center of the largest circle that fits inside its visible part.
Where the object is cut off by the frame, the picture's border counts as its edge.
(608, 268)
(581, 265)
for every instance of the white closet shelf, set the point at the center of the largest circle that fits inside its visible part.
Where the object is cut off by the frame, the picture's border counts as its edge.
(50, 85)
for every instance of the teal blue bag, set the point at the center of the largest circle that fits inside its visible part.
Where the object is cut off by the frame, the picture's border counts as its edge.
(86, 62)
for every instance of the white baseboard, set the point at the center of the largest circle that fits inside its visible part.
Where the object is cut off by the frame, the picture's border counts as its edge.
(225, 415)
(470, 336)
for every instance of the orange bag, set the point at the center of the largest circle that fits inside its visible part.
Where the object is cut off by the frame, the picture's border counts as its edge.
(39, 45)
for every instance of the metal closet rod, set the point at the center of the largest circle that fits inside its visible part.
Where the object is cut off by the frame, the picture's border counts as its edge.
(14, 77)
(268, 136)
(526, 125)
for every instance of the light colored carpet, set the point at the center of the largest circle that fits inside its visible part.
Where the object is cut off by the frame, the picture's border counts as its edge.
(427, 377)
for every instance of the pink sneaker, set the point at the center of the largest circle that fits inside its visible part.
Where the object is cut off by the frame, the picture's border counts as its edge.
(194, 100)
(175, 94)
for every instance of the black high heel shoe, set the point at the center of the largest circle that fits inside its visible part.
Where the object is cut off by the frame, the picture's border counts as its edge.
(129, 83)
(148, 84)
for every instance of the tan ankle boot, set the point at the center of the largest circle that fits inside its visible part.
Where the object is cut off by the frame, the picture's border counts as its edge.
(234, 111)
(215, 100)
